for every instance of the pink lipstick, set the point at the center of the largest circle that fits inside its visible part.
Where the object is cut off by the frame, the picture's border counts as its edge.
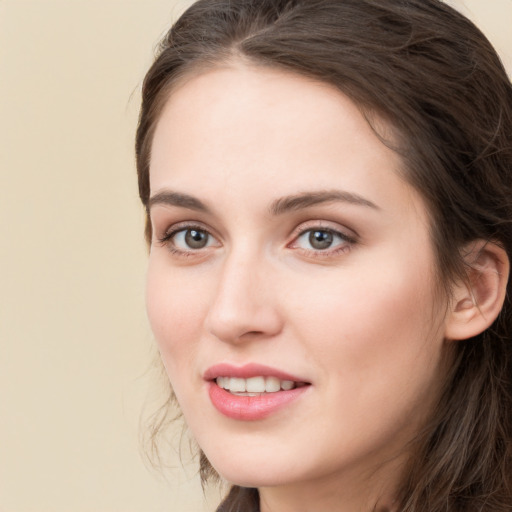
(251, 392)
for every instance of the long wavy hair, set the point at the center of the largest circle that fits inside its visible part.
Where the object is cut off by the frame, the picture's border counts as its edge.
(434, 77)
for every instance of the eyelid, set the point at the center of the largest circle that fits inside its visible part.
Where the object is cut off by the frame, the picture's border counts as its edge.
(165, 239)
(320, 225)
(349, 237)
(173, 228)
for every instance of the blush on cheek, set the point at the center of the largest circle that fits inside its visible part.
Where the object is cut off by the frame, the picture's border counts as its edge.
(175, 315)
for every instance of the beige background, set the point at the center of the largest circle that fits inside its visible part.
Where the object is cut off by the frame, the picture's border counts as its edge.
(75, 347)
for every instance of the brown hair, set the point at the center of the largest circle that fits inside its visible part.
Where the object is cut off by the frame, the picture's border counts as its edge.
(434, 77)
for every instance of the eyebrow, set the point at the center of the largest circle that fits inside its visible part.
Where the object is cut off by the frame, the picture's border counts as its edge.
(177, 199)
(278, 207)
(300, 201)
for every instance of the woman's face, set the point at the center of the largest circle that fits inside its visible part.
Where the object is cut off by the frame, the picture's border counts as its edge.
(287, 253)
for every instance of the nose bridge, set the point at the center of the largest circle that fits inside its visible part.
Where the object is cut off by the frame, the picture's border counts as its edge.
(244, 302)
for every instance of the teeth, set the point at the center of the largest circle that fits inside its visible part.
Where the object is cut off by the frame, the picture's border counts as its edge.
(254, 384)
(286, 385)
(272, 384)
(237, 385)
(223, 382)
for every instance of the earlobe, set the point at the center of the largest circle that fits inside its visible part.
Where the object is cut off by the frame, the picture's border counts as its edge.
(477, 301)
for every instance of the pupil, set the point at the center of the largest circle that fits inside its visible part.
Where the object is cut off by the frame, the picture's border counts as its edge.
(196, 239)
(320, 239)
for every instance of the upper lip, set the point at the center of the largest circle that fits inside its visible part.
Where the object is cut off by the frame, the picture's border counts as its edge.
(247, 371)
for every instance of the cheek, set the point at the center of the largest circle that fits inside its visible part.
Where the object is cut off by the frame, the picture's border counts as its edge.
(373, 321)
(175, 311)
(364, 296)
(378, 356)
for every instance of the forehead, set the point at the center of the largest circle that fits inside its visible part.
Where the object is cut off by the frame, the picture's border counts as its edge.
(242, 127)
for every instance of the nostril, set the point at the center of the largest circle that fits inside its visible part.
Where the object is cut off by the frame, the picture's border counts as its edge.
(244, 324)
(242, 309)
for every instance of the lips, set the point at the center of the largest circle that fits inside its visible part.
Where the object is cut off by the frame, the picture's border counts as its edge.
(251, 392)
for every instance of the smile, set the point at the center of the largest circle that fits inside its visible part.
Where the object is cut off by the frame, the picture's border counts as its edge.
(255, 386)
(252, 392)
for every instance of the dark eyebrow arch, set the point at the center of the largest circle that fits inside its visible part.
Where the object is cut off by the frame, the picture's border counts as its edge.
(299, 201)
(177, 199)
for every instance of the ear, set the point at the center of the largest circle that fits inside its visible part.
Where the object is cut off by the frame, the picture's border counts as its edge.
(477, 301)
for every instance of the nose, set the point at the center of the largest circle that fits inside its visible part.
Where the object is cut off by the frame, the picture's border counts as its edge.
(245, 305)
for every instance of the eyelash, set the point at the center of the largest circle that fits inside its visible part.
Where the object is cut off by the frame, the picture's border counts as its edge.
(167, 239)
(347, 241)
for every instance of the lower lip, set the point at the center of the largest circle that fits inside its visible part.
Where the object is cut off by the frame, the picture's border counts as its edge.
(251, 408)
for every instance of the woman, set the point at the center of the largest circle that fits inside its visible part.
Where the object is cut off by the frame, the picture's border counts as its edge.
(328, 196)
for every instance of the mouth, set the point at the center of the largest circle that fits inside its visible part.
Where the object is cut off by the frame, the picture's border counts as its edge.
(256, 386)
(252, 392)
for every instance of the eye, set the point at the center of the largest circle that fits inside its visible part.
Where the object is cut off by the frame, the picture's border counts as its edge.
(322, 240)
(191, 238)
(186, 240)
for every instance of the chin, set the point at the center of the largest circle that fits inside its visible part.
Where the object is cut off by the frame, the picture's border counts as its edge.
(248, 478)
(260, 470)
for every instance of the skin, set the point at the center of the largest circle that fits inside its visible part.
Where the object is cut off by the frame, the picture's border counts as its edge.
(361, 320)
